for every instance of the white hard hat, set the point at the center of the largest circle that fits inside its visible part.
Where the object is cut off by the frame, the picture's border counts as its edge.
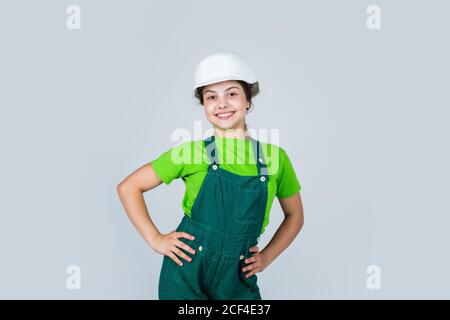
(221, 66)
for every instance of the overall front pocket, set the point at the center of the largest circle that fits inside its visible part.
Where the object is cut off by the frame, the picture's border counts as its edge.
(251, 281)
(193, 274)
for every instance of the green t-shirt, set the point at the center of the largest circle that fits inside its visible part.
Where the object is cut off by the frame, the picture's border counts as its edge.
(189, 161)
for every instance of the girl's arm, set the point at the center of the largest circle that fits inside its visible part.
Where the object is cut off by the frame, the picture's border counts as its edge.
(286, 233)
(130, 192)
(288, 229)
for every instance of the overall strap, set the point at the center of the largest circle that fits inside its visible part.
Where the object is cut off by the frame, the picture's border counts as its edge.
(259, 157)
(210, 147)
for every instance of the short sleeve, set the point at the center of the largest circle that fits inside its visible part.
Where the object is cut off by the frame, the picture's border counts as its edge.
(287, 182)
(170, 165)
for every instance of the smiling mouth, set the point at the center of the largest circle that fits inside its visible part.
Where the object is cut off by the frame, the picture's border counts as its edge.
(225, 116)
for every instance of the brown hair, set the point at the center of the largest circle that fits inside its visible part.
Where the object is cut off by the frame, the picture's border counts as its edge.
(247, 90)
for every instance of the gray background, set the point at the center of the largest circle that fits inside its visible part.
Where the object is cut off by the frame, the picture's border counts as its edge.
(362, 115)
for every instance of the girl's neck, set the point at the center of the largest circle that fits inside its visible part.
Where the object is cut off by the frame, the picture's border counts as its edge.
(240, 133)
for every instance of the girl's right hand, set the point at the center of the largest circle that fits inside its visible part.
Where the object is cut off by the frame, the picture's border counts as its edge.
(169, 245)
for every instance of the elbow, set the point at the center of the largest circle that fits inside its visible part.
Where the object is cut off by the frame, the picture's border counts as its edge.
(301, 221)
(127, 187)
(301, 224)
(122, 187)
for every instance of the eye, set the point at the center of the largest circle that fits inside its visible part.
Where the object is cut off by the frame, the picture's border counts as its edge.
(209, 97)
(235, 93)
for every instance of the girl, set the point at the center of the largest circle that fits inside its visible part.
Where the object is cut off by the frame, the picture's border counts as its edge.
(213, 254)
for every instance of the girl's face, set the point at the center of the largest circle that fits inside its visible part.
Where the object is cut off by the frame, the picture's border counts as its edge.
(225, 104)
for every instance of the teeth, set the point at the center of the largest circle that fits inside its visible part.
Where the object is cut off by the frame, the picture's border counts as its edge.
(224, 115)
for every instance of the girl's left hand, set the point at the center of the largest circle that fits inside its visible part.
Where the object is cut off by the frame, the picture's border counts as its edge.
(256, 263)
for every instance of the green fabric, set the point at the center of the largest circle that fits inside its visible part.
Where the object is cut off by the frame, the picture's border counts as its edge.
(189, 162)
(226, 221)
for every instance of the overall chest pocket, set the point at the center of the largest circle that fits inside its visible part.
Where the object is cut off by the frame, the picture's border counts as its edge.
(250, 205)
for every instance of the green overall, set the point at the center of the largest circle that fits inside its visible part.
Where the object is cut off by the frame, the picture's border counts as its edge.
(226, 220)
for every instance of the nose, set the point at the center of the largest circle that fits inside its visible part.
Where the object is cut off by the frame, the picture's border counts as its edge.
(222, 103)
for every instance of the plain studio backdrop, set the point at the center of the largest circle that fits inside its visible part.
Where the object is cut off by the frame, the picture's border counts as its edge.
(362, 113)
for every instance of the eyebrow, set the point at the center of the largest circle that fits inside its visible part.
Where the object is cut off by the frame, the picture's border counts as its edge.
(225, 90)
